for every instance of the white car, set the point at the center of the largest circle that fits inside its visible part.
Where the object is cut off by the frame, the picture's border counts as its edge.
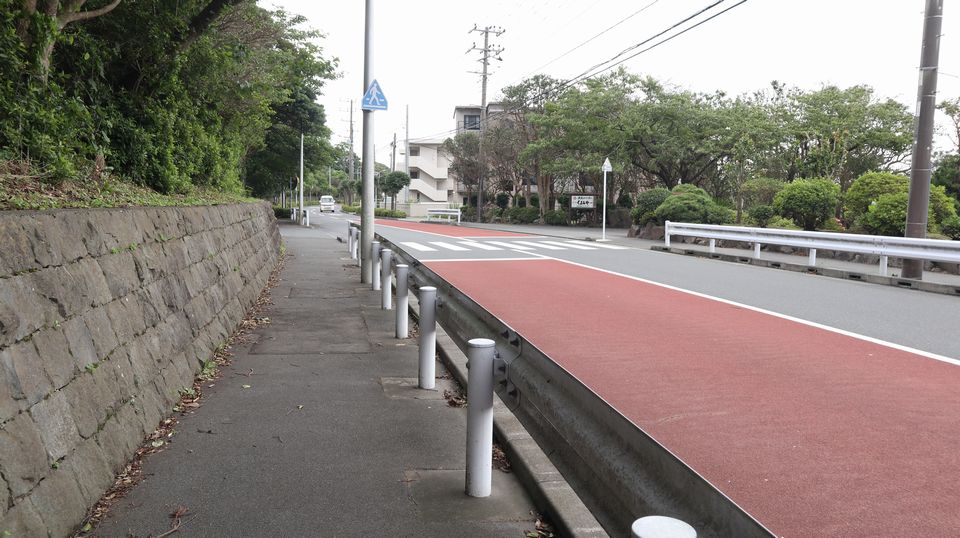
(327, 204)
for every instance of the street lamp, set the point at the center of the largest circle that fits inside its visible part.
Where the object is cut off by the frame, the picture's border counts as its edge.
(606, 168)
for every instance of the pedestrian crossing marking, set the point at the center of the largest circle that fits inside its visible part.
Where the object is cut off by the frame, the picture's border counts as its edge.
(538, 245)
(599, 245)
(449, 246)
(481, 246)
(508, 245)
(569, 245)
(418, 246)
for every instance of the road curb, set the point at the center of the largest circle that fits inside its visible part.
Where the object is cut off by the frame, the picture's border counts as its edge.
(551, 493)
(932, 287)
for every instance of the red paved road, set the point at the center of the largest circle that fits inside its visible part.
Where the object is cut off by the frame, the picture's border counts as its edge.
(814, 433)
(445, 229)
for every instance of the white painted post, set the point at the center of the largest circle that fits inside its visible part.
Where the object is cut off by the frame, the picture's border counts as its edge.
(375, 267)
(350, 239)
(661, 527)
(666, 234)
(306, 218)
(756, 250)
(386, 257)
(713, 246)
(480, 353)
(883, 265)
(403, 302)
(428, 336)
(812, 257)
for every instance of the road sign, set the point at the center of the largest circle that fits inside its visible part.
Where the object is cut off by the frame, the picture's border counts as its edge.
(582, 202)
(607, 167)
(374, 98)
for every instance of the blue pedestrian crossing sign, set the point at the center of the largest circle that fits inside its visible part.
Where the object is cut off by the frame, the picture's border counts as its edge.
(374, 98)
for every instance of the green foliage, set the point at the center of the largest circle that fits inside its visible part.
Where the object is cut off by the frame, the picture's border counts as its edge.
(555, 217)
(394, 182)
(760, 191)
(887, 215)
(624, 201)
(761, 215)
(809, 202)
(523, 215)
(502, 200)
(951, 228)
(688, 203)
(942, 207)
(647, 203)
(391, 213)
(782, 223)
(868, 188)
(281, 212)
(947, 174)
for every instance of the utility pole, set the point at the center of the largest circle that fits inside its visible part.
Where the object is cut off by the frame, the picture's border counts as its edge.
(393, 154)
(921, 166)
(350, 158)
(406, 144)
(487, 52)
(300, 214)
(367, 199)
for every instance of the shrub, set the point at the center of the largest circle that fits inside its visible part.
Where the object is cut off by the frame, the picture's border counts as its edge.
(942, 206)
(555, 217)
(761, 214)
(502, 200)
(809, 202)
(523, 215)
(648, 202)
(688, 203)
(760, 191)
(281, 212)
(782, 223)
(618, 217)
(867, 188)
(493, 214)
(384, 212)
(951, 228)
(624, 201)
(887, 215)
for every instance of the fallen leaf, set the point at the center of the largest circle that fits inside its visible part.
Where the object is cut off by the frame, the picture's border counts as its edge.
(299, 407)
(245, 386)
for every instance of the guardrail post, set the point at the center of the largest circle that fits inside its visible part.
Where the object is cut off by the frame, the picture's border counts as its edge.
(480, 353)
(883, 265)
(403, 302)
(375, 263)
(756, 250)
(812, 257)
(386, 256)
(661, 527)
(428, 336)
(713, 246)
(666, 234)
(306, 218)
(350, 239)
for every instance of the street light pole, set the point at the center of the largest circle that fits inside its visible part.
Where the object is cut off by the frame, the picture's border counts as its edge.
(367, 197)
(607, 167)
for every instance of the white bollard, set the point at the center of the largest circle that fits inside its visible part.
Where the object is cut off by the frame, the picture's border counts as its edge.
(883, 265)
(480, 353)
(306, 218)
(713, 246)
(386, 256)
(812, 257)
(375, 262)
(353, 253)
(756, 250)
(428, 337)
(403, 302)
(661, 527)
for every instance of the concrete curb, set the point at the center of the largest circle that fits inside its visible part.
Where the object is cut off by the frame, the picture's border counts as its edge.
(932, 287)
(550, 491)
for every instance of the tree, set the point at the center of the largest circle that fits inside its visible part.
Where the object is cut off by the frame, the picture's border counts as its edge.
(522, 102)
(808, 202)
(868, 188)
(393, 183)
(688, 203)
(464, 151)
(760, 191)
(951, 107)
(947, 175)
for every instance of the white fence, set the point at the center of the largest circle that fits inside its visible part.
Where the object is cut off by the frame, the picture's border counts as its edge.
(449, 214)
(880, 245)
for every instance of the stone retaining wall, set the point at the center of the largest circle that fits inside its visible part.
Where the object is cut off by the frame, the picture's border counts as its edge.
(105, 314)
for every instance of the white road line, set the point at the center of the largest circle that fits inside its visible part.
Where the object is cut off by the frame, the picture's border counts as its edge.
(448, 246)
(418, 246)
(480, 246)
(541, 258)
(509, 245)
(569, 245)
(787, 317)
(598, 245)
(540, 244)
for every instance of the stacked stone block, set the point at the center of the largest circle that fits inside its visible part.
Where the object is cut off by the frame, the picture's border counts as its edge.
(105, 315)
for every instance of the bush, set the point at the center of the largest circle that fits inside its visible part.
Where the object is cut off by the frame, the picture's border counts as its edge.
(624, 201)
(468, 213)
(809, 202)
(688, 203)
(281, 212)
(951, 228)
(782, 223)
(887, 215)
(761, 215)
(942, 206)
(355, 209)
(391, 213)
(760, 191)
(648, 202)
(867, 188)
(502, 200)
(555, 217)
(493, 214)
(523, 215)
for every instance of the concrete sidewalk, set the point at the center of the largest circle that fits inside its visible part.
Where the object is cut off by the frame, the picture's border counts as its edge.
(317, 429)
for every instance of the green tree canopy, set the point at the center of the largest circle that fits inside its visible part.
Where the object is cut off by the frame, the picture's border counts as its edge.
(808, 202)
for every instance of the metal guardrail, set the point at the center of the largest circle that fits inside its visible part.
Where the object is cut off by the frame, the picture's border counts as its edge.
(448, 213)
(618, 470)
(880, 245)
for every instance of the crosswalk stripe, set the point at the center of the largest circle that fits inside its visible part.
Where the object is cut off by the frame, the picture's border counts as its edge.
(448, 246)
(418, 246)
(480, 246)
(569, 245)
(601, 245)
(539, 245)
(509, 245)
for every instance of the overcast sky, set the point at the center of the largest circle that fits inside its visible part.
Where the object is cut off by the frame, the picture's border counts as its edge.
(420, 49)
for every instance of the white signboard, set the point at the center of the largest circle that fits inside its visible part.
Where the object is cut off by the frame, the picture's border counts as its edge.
(582, 202)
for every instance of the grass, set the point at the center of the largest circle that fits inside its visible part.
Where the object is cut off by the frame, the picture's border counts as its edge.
(28, 192)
